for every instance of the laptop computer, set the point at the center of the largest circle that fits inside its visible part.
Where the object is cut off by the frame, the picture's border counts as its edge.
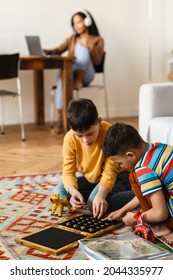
(34, 45)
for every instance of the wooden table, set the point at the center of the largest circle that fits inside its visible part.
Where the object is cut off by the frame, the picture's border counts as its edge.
(38, 64)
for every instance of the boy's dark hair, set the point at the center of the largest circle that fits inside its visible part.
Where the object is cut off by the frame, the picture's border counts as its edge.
(82, 114)
(120, 138)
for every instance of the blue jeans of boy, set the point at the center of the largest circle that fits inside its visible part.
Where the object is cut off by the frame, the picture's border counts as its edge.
(119, 196)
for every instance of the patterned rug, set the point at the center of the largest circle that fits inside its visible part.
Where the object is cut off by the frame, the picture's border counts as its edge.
(25, 207)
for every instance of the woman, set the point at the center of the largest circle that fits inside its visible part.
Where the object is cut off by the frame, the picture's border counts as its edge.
(88, 47)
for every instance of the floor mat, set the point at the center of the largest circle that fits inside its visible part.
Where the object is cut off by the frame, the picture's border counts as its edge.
(25, 208)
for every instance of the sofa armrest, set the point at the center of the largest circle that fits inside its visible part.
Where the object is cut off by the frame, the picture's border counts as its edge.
(155, 100)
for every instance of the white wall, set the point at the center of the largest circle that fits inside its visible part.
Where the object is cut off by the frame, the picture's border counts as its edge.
(125, 26)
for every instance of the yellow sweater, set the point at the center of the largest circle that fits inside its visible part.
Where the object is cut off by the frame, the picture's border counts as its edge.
(93, 164)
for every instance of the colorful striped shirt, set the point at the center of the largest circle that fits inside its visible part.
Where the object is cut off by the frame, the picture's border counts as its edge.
(155, 170)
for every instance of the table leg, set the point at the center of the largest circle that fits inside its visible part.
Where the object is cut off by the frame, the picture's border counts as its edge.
(39, 96)
(67, 90)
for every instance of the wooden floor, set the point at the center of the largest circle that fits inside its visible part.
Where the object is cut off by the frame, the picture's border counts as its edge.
(40, 153)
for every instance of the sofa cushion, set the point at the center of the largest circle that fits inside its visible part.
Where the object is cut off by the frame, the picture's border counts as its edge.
(161, 130)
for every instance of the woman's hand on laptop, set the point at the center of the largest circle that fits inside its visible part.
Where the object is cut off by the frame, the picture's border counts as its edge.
(47, 52)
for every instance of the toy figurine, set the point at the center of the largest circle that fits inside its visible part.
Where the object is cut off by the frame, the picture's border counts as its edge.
(59, 203)
(142, 230)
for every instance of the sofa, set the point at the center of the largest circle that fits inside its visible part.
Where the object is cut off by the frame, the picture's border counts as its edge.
(156, 112)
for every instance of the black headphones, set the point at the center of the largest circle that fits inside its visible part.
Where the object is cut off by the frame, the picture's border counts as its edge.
(87, 19)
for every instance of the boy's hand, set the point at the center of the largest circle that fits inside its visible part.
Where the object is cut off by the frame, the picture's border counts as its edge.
(76, 200)
(129, 219)
(100, 206)
(115, 215)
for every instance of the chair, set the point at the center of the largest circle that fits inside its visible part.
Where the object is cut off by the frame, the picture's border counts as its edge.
(156, 113)
(99, 70)
(9, 69)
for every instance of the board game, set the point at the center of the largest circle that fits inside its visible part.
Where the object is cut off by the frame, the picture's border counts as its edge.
(64, 236)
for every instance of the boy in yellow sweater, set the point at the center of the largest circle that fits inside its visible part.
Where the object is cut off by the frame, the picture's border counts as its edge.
(104, 185)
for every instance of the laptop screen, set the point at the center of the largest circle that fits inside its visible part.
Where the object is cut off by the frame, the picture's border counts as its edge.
(34, 45)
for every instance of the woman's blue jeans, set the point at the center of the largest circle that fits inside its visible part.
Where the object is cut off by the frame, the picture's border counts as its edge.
(120, 195)
(82, 62)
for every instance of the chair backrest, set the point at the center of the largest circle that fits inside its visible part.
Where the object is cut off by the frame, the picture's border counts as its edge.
(100, 68)
(9, 66)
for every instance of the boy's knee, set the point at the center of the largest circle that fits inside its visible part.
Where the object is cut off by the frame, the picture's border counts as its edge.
(91, 198)
(119, 199)
(58, 188)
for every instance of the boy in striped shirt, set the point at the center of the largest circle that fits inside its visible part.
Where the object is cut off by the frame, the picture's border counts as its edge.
(151, 178)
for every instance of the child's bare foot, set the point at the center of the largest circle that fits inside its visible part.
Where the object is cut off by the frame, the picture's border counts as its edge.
(168, 238)
(160, 230)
